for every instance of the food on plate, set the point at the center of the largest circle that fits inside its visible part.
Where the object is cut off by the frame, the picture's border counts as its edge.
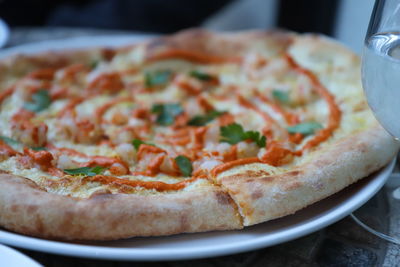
(192, 132)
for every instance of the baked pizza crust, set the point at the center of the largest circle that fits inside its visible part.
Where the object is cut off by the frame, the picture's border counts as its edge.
(265, 197)
(28, 209)
(238, 198)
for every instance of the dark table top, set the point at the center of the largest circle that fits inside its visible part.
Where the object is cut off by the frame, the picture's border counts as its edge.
(341, 244)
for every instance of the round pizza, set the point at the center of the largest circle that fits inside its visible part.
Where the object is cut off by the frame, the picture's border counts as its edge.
(192, 132)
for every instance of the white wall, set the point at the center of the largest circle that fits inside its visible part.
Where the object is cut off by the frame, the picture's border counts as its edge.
(352, 22)
(244, 14)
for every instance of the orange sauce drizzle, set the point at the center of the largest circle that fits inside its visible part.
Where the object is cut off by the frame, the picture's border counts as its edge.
(6, 93)
(42, 74)
(246, 103)
(334, 111)
(7, 150)
(103, 109)
(156, 185)
(70, 106)
(204, 103)
(192, 56)
(229, 165)
(275, 154)
(290, 118)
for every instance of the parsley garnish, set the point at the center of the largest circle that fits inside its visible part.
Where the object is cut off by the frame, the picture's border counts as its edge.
(93, 64)
(305, 128)
(184, 164)
(38, 148)
(136, 143)
(201, 75)
(157, 78)
(40, 101)
(201, 120)
(16, 144)
(87, 171)
(166, 113)
(9, 141)
(281, 96)
(234, 133)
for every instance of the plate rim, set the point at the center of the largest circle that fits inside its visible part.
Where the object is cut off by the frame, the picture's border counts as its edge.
(336, 213)
(23, 260)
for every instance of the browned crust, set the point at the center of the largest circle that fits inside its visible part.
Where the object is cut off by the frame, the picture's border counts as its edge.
(27, 209)
(260, 198)
(339, 165)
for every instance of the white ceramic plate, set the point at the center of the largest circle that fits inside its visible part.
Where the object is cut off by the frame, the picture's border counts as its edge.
(201, 245)
(4, 33)
(12, 258)
(74, 43)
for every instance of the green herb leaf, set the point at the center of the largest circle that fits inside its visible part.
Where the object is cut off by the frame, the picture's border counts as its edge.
(157, 78)
(38, 148)
(40, 101)
(305, 128)
(93, 64)
(259, 139)
(9, 141)
(201, 120)
(166, 112)
(86, 171)
(201, 75)
(184, 164)
(234, 133)
(136, 143)
(281, 96)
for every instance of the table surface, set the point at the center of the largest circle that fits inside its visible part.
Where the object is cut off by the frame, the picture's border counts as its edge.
(341, 244)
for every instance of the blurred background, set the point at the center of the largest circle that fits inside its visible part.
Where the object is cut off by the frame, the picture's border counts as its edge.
(346, 20)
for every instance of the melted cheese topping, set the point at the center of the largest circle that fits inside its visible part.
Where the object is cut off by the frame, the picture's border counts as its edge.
(96, 113)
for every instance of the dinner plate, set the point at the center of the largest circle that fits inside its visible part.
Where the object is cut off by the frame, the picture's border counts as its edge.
(12, 258)
(4, 33)
(199, 245)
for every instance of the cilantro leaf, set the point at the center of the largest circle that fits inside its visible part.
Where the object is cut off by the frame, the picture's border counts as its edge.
(137, 142)
(259, 139)
(204, 119)
(305, 128)
(94, 63)
(166, 112)
(86, 171)
(184, 164)
(234, 133)
(201, 75)
(40, 101)
(16, 144)
(9, 141)
(281, 96)
(157, 78)
(38, 148)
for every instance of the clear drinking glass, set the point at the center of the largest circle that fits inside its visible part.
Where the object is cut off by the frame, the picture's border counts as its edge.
(381, 82)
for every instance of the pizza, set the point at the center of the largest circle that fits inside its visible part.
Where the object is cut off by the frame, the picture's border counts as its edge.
(192, 132)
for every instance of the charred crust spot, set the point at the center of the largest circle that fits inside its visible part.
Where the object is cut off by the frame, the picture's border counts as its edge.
(362, 147)
(32, 208)
(222, 198)
(14, 208)
(292, 186)
(184, 222)
(39, 227)
(257, 194)
(294, 173)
